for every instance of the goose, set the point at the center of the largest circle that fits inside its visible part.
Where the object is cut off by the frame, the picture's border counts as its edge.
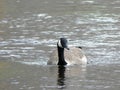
(65, 55)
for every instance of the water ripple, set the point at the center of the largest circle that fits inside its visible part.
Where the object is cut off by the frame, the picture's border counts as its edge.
(34, 35)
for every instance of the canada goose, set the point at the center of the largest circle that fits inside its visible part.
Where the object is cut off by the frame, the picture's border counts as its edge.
(65, 55)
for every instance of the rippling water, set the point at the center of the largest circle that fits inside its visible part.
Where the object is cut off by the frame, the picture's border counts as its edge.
(30, 29)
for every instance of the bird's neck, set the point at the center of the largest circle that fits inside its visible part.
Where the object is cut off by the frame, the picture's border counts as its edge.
(61, 59)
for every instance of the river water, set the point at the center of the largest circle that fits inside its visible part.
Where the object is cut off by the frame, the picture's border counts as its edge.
(29, 30)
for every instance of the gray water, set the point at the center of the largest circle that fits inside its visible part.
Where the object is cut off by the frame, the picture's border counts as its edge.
(29, 30)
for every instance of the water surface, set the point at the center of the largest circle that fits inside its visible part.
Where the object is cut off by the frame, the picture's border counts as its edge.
(30, 29)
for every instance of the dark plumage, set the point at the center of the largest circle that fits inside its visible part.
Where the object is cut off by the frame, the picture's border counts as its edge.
(65, 55)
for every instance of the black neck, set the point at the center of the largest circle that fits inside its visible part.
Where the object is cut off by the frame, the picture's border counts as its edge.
(61, 56)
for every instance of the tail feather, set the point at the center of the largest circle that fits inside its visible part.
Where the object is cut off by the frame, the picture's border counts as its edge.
(79, 47)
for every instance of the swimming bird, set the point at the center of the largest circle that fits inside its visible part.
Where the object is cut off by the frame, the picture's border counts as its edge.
(65, 55)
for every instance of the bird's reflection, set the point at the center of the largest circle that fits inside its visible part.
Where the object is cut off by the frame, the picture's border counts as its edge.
(61, 77)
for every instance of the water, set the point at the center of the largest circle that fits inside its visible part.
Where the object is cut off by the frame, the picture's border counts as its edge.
(30, 29)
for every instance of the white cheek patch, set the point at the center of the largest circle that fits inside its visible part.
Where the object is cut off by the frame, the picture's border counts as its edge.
(59, 44)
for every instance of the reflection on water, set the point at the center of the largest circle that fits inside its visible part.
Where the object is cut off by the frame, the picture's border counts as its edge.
(61, 76)
(30, 29)
(16, 76)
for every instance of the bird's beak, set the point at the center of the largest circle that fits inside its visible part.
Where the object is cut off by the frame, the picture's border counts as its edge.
(67, 48)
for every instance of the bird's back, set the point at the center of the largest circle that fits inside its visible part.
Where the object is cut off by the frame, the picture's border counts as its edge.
(72, 56)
